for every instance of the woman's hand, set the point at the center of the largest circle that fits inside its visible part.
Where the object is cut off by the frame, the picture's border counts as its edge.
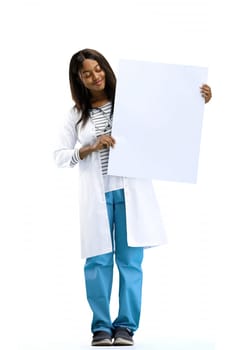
(103, 141)
(206, 92)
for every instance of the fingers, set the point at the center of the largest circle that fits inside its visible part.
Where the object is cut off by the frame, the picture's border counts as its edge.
(206, 92)
(105, 141)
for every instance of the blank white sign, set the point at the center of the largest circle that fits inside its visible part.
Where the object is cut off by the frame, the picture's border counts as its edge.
(157, 121)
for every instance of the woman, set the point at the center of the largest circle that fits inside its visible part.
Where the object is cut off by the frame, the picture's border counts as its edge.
(114, 221)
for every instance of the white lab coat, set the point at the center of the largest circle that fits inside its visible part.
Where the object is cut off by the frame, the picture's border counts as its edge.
(144, 224)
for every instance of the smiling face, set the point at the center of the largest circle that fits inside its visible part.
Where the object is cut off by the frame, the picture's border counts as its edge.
(92, 76)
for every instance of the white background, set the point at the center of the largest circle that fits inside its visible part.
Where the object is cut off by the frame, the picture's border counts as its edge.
(187, 283)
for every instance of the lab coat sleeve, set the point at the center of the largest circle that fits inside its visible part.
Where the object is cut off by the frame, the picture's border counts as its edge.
(66, 152)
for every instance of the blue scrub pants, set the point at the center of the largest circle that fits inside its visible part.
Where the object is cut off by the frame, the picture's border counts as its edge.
(99, 274)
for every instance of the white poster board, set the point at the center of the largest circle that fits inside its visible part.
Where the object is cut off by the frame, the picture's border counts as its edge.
(157, 121)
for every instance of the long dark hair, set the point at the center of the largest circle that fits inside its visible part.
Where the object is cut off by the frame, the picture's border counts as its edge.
(80, 94)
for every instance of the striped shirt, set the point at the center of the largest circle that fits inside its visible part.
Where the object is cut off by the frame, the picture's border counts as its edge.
(102, 119)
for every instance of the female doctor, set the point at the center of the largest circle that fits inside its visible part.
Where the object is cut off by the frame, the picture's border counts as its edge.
(115, 224)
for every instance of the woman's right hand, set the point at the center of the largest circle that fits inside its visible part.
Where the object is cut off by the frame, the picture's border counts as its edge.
(103, 141)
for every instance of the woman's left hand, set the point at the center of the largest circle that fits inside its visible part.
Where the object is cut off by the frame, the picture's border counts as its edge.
(206, 92)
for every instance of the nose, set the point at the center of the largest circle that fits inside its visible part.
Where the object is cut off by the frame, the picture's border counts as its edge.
(95, 76)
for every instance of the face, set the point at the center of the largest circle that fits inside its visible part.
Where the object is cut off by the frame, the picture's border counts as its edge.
(92, 75)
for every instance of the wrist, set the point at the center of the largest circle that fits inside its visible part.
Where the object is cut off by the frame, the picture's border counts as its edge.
(91, 148)
(85, 151)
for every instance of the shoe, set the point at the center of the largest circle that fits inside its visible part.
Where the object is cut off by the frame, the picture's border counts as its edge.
(123, 337)
(101, 338)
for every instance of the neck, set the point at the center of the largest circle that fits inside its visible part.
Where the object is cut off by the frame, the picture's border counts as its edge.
(99, 99)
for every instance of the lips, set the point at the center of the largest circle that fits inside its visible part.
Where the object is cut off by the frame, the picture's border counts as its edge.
(99, 82)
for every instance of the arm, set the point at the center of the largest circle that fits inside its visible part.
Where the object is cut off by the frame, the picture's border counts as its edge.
(103, 141)
(67, 141)
(68, 152)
